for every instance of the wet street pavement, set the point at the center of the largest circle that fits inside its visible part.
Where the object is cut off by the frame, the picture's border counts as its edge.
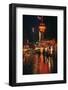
(39, 63)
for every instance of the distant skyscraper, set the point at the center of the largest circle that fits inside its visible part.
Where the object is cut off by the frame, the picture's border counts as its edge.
(42, 29)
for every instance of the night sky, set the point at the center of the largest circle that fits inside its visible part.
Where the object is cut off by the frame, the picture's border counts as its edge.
(30, 21)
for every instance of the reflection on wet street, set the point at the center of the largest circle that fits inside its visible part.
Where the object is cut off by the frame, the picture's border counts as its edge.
(40, 59)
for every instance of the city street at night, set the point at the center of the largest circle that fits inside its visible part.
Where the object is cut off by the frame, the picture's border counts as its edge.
(39, 44)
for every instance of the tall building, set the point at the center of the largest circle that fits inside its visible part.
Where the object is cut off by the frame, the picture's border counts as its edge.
(42, 29)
